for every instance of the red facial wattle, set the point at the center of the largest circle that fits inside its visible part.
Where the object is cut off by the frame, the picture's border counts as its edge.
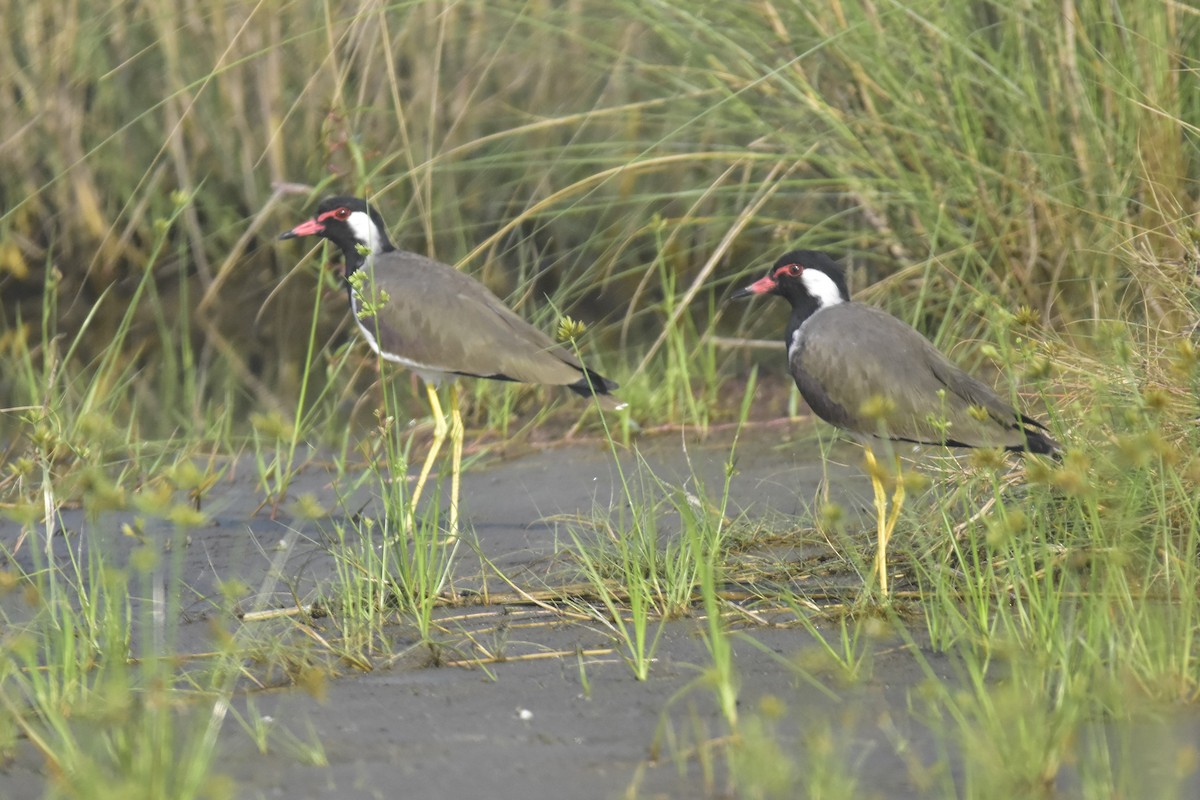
(789, 270)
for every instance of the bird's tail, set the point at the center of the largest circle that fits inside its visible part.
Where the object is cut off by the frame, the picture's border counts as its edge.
(1037, 438)
(593, 383)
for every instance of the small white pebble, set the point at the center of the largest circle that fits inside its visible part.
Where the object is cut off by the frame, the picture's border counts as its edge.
(525, 714)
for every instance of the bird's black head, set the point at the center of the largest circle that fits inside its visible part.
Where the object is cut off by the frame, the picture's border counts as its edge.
(803, 278)
(350, 223)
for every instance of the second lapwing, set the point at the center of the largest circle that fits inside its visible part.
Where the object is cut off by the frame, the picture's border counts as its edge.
(441, 323)
(865, 371)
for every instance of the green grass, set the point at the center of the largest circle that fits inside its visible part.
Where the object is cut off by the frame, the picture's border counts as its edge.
(1017, 182)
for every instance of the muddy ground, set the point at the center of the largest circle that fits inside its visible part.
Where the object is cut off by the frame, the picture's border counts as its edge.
(560, 714)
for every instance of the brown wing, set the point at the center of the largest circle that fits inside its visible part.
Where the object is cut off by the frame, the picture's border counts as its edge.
(444, 319)
(849, 353)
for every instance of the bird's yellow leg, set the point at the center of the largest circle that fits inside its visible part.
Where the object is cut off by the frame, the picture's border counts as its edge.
(897, 503)
(883, 531)
(439, 435)
(456, 447)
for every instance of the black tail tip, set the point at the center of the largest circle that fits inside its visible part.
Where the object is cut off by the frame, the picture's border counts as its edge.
(1042, 445)
(595, 384)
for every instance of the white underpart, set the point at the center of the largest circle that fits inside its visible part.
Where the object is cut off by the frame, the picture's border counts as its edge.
(822, 287)
(796, 339)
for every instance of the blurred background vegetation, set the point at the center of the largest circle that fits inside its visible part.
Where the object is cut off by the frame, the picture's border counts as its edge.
(624, 162)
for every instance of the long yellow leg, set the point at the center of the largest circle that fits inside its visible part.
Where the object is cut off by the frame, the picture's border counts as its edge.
(885, 523)
(456, 448)
(439, 435)
(881, 519)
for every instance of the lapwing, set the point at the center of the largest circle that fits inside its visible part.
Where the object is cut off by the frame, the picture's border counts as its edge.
(440, 323)
(862, 370)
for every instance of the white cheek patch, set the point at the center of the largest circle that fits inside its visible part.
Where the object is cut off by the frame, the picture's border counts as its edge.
(821, 287)
(364, 230)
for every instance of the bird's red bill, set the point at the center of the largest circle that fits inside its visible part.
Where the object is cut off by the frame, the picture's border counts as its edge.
(307, 228)
(761, 286)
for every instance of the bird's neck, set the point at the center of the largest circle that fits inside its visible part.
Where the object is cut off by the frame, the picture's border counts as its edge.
(355, 255)
(352, 259)
(802, 309)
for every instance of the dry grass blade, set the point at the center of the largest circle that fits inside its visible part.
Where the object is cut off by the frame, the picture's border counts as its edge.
(767, 188)
(501, 659)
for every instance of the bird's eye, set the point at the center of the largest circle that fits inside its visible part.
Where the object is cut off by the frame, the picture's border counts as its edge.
(342, 214)
(789, 270)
